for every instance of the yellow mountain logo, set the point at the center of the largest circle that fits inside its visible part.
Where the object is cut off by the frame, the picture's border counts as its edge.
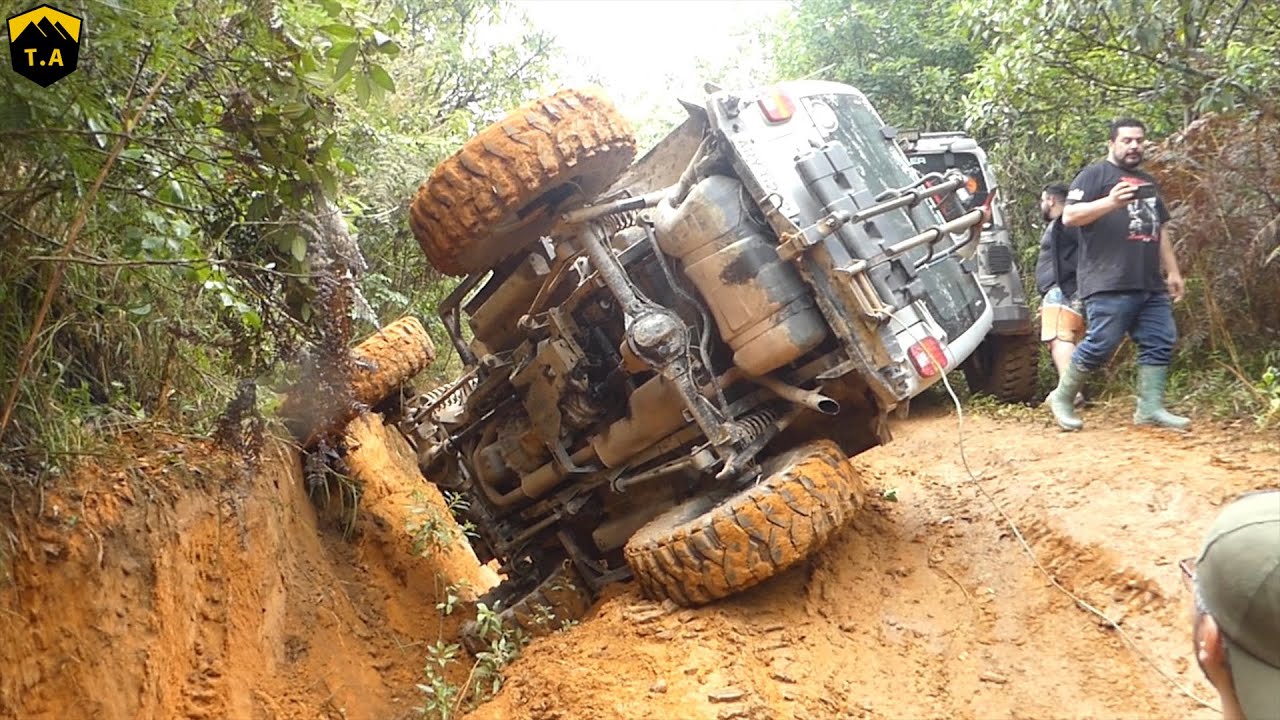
(44, 44)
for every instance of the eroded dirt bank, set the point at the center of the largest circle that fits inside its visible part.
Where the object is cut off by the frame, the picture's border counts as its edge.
(171, 582)
(927, 607)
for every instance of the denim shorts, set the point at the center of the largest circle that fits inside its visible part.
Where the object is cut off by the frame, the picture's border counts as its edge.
(1061, 318)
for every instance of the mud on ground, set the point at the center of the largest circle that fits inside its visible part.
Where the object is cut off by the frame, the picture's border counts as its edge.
(170, 582)
(928, 607)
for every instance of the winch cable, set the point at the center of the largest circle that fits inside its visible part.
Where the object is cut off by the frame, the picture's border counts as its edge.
(1079, 602)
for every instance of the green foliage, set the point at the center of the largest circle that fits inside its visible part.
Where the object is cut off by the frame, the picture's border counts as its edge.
(282, 144)
(430, 529)
(445, 700)
(1269, 389)
(909, 57)
(328, 479)
(441, 696)
(452, 598)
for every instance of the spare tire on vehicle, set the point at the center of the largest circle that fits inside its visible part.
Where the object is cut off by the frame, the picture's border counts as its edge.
(381, 363)
(508, 185)
(710, 546)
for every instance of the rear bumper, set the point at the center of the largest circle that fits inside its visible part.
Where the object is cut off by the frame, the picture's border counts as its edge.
(957, 350)
(1011, 320)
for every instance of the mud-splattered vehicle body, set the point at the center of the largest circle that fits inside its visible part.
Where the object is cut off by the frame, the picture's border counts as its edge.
(1006, 363)
(668, 363)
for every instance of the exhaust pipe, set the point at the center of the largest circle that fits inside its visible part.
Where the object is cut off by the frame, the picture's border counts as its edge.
(811, 399)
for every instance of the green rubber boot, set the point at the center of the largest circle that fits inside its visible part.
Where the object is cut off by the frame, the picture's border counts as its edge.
(1151, 382)
(1061, 401)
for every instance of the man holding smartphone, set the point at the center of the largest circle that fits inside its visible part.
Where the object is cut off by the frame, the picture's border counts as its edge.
(1127, 276)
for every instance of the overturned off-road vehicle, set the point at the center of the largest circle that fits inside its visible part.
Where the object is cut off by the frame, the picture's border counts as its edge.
(669, 362)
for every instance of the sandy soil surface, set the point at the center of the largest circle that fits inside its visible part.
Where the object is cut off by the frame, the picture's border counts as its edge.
(169, 581)
(928, 607)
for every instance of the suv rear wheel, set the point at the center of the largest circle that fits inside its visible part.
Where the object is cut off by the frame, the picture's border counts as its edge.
(1005, 367)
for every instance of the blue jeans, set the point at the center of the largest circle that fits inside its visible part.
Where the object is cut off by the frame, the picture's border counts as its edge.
(1146, 317)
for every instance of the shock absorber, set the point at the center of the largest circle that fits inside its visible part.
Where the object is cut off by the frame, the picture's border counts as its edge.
(758, 423)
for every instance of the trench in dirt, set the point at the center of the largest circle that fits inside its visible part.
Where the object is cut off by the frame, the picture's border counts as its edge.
(172, 582)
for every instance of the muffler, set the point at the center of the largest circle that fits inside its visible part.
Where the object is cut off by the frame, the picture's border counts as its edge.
(811, 399)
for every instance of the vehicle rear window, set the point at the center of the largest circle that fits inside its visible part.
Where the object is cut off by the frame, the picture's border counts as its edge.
(966, 163)
(952, 295)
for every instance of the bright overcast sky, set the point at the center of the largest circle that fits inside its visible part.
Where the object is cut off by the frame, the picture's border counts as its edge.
(638, 48)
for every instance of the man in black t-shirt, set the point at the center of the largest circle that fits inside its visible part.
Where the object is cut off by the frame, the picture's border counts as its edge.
(1061, 312)
(1126, 274)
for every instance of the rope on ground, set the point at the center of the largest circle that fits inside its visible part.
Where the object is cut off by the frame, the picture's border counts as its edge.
(1079, 602)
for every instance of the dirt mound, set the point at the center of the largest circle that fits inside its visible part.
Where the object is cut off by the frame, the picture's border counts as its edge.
(168, 581)
(928, 607)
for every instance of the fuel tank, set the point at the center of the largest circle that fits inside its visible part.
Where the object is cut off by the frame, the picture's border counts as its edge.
(763, 309)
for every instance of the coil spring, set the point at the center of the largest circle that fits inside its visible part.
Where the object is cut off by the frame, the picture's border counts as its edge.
(619, 221)
(455, 400)
(757, 423)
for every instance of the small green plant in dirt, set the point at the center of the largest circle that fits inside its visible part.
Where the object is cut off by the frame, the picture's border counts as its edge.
(430, 529)
(453, 594)
(1269, 388)
(440, 694)
(545, 617)
(444, 700)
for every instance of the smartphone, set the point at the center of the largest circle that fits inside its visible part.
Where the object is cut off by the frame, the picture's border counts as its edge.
(1144, 191)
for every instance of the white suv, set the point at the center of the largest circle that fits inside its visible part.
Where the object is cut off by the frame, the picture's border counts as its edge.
(1005, 364)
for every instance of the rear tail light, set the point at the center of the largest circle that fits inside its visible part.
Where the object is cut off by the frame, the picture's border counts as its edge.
(777, 106)
(928, 357)
(986, 206)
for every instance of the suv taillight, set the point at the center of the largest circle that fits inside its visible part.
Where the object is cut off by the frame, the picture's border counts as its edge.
(777, 106)
(928, 357)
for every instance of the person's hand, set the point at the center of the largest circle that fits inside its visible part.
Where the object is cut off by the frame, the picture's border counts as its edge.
(1121, 193)
(1177, 288)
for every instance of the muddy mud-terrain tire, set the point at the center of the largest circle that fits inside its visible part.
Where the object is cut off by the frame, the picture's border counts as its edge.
(389, 358)
(381, 363)
(506, 187)
(711, 547)
(1006, 367)
(560, 599)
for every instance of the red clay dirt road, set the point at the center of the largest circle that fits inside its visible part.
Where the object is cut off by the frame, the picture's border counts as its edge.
(168, 581)
(928, 607)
